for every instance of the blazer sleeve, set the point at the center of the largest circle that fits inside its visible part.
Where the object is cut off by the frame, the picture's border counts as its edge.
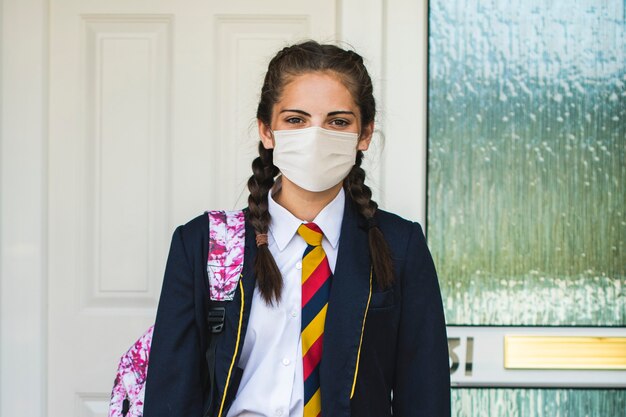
(422, 376)
(174, 385)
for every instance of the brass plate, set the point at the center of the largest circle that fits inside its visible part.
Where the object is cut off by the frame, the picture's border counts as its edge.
(564, 352)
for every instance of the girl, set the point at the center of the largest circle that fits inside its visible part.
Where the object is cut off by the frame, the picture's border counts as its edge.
(338, 310)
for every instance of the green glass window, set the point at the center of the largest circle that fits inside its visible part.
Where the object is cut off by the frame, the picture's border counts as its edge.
(505, 402)
(527, 161)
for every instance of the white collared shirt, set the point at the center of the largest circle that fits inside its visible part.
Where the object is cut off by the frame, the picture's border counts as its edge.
(272, 382)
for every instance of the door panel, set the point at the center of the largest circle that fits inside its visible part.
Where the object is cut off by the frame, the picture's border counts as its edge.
(151, 105)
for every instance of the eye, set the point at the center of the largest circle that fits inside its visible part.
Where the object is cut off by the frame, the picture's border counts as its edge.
(340, 122)
(294, 120)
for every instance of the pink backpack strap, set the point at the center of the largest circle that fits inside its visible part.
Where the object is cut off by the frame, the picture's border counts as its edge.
(224, 266)
(130, 382)
(226, 250)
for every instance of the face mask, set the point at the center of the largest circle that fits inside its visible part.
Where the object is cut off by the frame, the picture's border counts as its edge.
(314, 158)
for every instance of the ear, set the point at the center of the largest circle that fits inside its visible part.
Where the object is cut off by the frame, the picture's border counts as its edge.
(366, 137)
(265, 133)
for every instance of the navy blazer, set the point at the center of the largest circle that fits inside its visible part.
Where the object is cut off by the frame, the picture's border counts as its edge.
(385, 353)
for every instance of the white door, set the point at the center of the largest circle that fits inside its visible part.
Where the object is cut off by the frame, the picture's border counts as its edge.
(151, 103)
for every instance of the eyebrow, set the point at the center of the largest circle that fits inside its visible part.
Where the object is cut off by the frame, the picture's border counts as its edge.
(332, 113)
(295, 111)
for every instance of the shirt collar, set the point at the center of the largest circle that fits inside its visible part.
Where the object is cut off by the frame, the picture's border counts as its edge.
(284, 225)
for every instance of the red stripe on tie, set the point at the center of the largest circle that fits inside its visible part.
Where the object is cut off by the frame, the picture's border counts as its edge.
(315, 281)
(312, 357)
(313, 227)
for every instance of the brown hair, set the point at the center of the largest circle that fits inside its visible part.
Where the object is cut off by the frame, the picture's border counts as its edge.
(292, 61)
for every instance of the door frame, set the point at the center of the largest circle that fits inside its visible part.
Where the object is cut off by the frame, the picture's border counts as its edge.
(405, 106)
(383, 32)
(23, 206)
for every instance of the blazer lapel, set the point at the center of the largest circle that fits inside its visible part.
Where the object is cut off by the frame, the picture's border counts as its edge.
(344, 319)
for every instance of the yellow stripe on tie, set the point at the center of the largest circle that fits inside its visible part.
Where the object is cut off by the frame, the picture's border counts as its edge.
(311, 261)
(313, 330)
(310, 236)
(314, 406)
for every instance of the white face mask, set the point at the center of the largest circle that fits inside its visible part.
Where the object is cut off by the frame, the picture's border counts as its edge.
(314, 158)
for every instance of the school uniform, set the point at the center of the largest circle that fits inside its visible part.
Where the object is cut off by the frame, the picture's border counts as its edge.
(375, 342)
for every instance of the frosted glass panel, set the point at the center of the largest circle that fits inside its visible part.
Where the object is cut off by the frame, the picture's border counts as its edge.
(527, 160)
(538, 403)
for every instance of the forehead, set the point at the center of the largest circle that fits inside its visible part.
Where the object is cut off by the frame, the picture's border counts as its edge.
(322, 91)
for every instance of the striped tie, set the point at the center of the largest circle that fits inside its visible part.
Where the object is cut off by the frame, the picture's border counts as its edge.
(316, 276)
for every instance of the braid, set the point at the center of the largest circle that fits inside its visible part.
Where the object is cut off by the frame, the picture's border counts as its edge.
(268, 275)
(362, 197)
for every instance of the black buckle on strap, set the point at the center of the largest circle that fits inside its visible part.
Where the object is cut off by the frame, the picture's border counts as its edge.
(215, 319)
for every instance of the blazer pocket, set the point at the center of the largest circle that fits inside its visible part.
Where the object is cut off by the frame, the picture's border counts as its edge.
(382, 300)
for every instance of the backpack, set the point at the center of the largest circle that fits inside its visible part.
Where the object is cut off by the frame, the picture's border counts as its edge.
(224, 266)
